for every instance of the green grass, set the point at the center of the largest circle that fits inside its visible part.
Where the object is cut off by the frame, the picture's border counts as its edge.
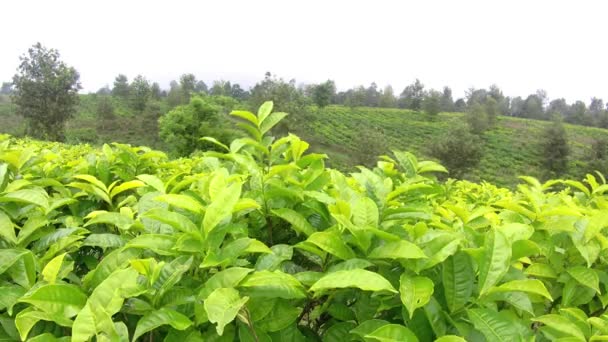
(512, 148)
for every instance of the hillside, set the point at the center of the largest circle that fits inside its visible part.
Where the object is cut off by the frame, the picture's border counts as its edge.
(511, 149)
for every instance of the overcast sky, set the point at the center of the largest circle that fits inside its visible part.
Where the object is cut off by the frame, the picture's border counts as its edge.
(521, 46)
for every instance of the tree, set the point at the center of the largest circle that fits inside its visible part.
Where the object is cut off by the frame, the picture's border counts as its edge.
(446, 102)
(239, 93)
(598, 158)
(6, 89)
(356, 97)
(46, 92)
(517, 107)
(104, 91)
(477, 118)
(459, 150)
(533, 107)
(221, 88)
(285, 96)
(201, 87)
(387, 97)
(412, 96)
(182, 127)
(174, 97)
(323, 93)
(372, 95)
(121, 86)
(460, 105)
(492, 111)
(187, 83)
(155, 91)
(555, 148)
(370, 145)
(105, 111)
(140, 92)
(558, 107)
(432, 104)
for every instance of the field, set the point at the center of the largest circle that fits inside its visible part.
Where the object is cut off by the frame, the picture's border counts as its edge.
(263, 242)
(511, 149)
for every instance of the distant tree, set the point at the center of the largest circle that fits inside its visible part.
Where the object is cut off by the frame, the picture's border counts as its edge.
(175, 95)
(356, 97)
(285, 96)
(542, 96)
(502, 102)
(221, 88)
(412, 96)
(323, 93)
(533, 107)
(555, 148)
(238, 93)
(121, 86)
(460, 105)
(372, 95)
(182, 127)
(598, 158)
(577, 113)
(596, 108)
(517, 107)
(105, 111)
(458, 150)
(201, 87)
(474, 95)
(492, 110)
(7, 88)
(187, 83)
(45, 92)
(447, 103)
(432, 104)
(477, 118)
(139, 93)
(104, 91)
(370, 145)
(558, 107)
(155, 92)
(387, 97)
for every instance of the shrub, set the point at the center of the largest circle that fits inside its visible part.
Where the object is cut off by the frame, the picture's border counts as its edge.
(459, 150)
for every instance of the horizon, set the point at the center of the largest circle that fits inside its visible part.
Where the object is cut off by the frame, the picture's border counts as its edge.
(469, 44)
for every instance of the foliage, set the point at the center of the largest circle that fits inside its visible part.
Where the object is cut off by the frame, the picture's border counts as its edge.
(285, 96)
(182, 127)
(555, 148)
(412, 96)
(121, 87)
(431, 104)
(459, 150)
(598, 158)
(262, 242)
(140, 92)
(323, 93)
(45, 92)
(477, 118)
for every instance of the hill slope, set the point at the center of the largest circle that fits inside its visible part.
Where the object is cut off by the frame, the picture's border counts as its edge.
(512, 148)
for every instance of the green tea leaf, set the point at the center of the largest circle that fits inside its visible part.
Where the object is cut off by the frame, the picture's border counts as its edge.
(415, 292)
(222, 306)
(157, 318)
(357, 278)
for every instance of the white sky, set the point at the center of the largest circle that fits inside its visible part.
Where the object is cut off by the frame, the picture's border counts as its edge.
(522, 45)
